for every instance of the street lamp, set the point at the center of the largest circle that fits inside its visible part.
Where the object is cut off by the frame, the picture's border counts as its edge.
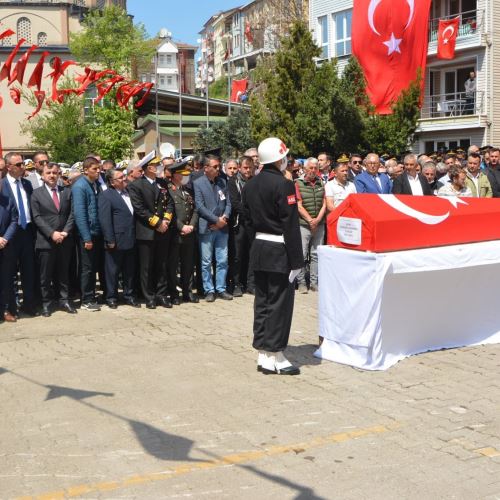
(162, 35)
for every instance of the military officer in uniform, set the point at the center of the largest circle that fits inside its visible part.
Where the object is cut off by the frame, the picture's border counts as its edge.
(153, 211)
(186, 220)
(276, 255)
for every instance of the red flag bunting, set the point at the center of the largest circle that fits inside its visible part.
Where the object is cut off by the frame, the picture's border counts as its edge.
(36, 77)
(20, 68)
(59, 68)
(389, 38)
(15, 95)
(40, 97)
(5, 73)
(447, 37)
(6, 33)
(147, 87)
(238, 88)
(106, 86)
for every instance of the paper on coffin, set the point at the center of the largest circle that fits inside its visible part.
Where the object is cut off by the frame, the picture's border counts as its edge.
(384, 223)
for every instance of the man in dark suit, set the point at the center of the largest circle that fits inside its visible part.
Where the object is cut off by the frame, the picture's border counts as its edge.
(242, 229)
(186, 221)
(40, 159)
(53, 218)
(116, 216)
(410, 181)
(212, 201)
(8, 227)
(153, 211)
(370, 181)
(19, 190)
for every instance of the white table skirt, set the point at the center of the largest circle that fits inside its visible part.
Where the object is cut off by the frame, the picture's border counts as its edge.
(376, 309)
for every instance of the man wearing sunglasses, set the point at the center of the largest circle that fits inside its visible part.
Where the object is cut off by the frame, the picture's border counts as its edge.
(355, 166)
(19, 190)
(40, 159)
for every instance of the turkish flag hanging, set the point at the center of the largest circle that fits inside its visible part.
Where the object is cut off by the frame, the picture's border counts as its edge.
(238, 88)
(447, 37)
(390, 39)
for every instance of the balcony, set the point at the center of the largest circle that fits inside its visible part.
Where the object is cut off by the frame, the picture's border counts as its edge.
(471, 26)
(452, 111)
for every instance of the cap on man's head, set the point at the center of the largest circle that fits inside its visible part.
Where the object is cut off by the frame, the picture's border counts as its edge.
(213, 152)
(343, 158)
(179, 167)
(28, 164)
(149, 159)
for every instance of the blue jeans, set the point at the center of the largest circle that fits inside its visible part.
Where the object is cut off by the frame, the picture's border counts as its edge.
(214, 240)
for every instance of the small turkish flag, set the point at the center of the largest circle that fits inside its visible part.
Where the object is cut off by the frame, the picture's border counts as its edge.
(238, 88)
(390, 40)
(447, 37)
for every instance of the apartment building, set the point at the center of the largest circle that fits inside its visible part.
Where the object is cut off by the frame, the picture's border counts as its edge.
(447, 119)
(173, 65)
(47, 24)
(233, 41)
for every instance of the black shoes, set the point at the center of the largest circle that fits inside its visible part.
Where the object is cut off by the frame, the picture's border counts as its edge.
(66, 306)
(46, 312)
(132, 303)
(237, 292)
(176, 301)
(289, 370)
(210, 297)
(112, 304)
(191, 297)
(151, 304)
(224, 296)
(165, 302)
(250, 291)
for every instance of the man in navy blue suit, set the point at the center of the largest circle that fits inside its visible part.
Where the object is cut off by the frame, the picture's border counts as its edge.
(8, 227)
(116, 216)
(19, 190)
(370, 181)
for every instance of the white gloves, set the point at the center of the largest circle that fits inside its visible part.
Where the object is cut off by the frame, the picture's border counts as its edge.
(293, 274)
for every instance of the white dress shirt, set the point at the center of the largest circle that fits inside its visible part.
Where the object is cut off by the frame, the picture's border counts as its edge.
(415, 185)
(335, 190)
(49, 189)
(126, 198)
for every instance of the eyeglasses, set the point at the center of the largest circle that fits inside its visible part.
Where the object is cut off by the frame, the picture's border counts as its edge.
(43, 162)
(18, 164)
(357, 161)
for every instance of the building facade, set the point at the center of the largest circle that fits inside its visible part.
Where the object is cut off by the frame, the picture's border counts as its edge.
(233, 41)
(447, 119)
(47, 24)
(173, 65)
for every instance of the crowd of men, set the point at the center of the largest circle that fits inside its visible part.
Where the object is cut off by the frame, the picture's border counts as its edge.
(159, 229)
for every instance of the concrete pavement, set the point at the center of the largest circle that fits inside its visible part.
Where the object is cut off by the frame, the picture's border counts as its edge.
(168, 404)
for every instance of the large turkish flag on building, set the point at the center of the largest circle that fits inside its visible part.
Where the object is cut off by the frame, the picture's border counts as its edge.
(238, 88)
(390, 39)
(447, 37)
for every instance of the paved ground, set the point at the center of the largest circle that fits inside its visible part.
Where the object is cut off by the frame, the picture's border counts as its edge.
(168, 404)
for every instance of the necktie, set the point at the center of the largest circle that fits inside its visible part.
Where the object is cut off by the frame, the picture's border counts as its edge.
(22, 213)
(55, 198)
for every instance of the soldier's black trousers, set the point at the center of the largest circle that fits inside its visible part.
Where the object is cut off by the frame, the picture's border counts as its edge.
(273, 310)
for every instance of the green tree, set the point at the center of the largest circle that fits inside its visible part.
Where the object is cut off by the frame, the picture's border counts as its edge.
(232, 136)
(60, 129)
(218, 89)
(110, 39)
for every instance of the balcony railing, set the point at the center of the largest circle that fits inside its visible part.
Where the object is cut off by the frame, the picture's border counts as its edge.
(470, 23)
(453, 105)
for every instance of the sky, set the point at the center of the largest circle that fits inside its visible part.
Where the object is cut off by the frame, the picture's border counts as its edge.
(183, 18)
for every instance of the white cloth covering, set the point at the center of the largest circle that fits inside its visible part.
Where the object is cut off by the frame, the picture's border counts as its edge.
(376, 309)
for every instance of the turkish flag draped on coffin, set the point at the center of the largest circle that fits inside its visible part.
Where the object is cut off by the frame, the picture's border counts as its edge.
(386, 222)
(447, 38)
(390, 39)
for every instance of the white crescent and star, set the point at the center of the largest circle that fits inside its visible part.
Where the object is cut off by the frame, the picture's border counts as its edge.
(422, 217)
(393, 43)
(451, 29)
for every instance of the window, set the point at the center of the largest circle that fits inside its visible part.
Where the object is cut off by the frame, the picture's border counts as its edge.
(169, 81)
(24, 29)
(100, 4)
(323, 36)
(162, 81)
(343, 22)
(169, 59)
(42, 39)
